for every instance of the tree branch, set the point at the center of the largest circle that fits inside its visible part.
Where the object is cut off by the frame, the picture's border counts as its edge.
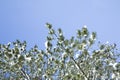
(79, 68)
(26, 75)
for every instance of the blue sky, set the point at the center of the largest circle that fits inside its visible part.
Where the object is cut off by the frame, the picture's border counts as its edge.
(25, 19)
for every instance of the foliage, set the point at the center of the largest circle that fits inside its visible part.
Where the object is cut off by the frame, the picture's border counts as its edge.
(62, 59)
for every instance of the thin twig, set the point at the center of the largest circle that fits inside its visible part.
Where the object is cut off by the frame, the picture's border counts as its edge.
(79, 68)
(26, 75)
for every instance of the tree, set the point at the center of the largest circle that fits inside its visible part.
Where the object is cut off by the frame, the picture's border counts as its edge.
(62, 59)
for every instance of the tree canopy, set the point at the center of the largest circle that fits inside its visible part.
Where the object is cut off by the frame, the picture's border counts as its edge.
(62, 58)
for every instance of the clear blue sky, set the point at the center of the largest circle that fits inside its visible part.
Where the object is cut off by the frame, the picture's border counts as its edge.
(25, 19)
